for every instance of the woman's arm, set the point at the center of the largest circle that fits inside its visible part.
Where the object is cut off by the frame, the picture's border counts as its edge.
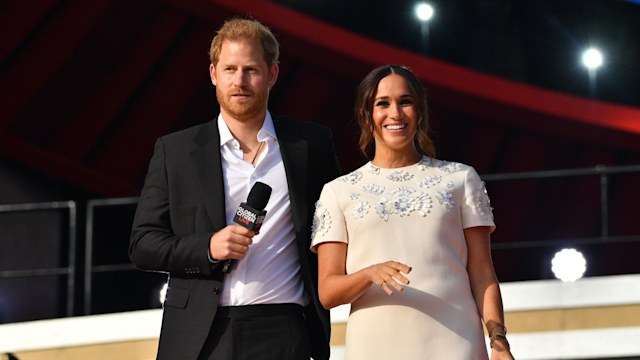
(485, 287)
(335, 287)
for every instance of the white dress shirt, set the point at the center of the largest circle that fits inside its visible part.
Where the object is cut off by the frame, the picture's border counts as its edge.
(270, 272)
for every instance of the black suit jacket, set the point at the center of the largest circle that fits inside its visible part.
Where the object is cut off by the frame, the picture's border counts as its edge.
(182, 204)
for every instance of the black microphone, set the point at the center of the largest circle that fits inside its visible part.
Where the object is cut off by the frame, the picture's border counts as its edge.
(251, 214)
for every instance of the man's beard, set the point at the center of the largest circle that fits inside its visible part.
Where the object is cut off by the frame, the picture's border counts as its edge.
(253, 106)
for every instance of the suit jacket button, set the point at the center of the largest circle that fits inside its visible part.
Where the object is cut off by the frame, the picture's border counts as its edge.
(216, 291)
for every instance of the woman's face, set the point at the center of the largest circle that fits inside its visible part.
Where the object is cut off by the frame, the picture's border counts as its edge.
(395, 117)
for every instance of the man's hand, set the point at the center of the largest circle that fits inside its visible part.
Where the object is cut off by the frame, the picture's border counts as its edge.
(232, 242)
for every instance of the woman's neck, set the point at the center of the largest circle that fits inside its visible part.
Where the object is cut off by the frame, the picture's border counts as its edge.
(392, 160)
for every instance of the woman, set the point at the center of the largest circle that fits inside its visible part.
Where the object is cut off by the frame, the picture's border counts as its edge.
(405, 238)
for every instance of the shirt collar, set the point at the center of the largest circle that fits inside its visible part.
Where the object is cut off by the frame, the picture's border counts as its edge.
(267, 130)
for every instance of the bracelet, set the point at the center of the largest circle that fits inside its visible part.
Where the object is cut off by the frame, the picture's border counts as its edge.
(495, 326)
(499, 336)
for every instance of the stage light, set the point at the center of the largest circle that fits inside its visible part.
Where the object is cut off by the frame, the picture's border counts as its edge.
(163, 293)
(592, 58)
(568, 265)
(424, 11)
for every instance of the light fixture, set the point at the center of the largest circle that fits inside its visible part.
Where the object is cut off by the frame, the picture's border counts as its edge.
(592, 58)
(568, 265)
(424, 11)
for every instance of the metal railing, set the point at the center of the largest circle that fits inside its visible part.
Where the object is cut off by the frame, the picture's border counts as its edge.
(90, 269)
(70, 270)
(602, 171)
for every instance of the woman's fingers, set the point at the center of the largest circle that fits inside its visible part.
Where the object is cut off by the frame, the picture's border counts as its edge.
(396, 271)
(398, 277)
(390, 276)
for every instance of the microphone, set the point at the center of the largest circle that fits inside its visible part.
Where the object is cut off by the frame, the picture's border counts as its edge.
(251, 214)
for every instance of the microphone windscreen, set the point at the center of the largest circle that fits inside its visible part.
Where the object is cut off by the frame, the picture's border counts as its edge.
(259, 196)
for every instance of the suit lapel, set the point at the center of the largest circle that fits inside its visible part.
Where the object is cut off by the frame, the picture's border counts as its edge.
(209, 167)
(294, 156)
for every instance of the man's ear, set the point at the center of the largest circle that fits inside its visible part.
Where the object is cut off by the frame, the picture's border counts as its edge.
(212, 74)
(273, 75)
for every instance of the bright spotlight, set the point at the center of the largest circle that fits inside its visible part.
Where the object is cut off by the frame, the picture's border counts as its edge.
(163, 293)
(424, 11)
(568, 265)
(592, 58)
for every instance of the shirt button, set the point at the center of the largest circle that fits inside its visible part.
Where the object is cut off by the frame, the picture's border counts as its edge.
(216, 291)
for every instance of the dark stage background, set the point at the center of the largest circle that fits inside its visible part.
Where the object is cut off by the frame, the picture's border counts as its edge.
(87, 86)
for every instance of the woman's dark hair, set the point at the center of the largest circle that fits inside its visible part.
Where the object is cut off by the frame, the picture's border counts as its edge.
(364, 108)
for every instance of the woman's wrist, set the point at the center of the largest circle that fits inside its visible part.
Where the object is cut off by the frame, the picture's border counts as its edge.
(495, 328)
(499, 342)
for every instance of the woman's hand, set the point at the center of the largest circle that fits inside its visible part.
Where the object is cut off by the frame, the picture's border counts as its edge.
(336, 287)
(388, 275)
(500, 351)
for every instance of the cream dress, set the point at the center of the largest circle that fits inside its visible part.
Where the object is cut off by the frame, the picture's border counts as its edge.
(414, 215)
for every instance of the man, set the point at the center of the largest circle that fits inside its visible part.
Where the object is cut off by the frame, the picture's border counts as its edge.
(266, 306)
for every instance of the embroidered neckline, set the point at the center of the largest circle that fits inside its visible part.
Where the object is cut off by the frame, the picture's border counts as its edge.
(424, 161)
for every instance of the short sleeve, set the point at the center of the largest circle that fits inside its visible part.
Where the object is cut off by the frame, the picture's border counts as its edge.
(476, 209)
(328, 219)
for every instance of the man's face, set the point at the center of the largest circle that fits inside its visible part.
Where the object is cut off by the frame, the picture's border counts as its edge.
(242, 79)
